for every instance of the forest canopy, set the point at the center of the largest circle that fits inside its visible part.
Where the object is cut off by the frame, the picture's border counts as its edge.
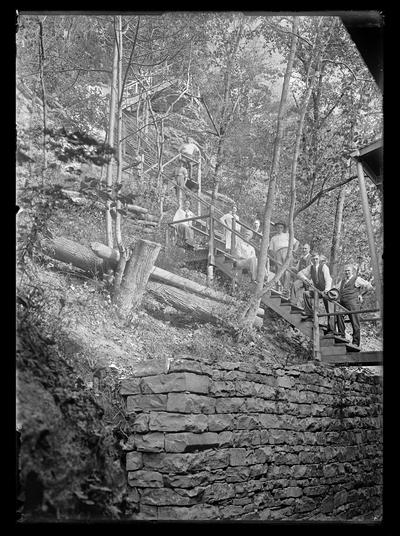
(230, 66)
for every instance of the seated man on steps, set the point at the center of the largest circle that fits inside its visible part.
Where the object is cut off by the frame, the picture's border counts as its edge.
(184, 230)
(297, 289)
(351, 293)
(246, 258)
(245, 255)
(317, 274)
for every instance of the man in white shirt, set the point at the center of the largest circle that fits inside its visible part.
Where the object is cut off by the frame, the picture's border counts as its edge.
(228, 219)
(351, 291)
(318, 275)
(181, 177)
(191, 151)
(278, 247)
(184, 230)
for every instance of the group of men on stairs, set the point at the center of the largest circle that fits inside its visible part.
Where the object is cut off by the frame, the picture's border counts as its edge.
(351, 290)
(310, 272)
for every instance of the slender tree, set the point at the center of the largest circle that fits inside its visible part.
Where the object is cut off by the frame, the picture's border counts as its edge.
(250, 313)
(110, 137)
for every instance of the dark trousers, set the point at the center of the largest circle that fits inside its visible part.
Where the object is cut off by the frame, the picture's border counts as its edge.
(354, 319)
(308, 307)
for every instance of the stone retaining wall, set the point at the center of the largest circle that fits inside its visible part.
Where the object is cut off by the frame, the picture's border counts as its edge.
(236, 441)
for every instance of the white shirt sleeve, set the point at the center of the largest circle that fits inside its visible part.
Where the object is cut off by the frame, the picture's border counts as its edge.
(328, 278)
(223, 219)
(360, 282)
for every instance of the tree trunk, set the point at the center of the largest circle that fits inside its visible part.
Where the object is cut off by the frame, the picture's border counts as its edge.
(337, 231)
(251, 311)
(41, 71)
(65, 250)
(197, 308)
(118, 181)
(118, 234)
(137, 271)
(111, 126)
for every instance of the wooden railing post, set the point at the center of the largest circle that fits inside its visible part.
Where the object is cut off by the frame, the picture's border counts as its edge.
(316, 341)
(199, 185)
(210, 261)
(233, 236)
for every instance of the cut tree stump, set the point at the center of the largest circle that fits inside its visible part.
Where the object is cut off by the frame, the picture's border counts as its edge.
(136, 275)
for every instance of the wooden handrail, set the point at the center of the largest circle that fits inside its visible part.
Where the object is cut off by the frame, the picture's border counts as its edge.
(203, 217)
(350, 311)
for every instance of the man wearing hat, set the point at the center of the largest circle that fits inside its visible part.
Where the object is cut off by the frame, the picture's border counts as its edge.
(278, 247)
(351, 291)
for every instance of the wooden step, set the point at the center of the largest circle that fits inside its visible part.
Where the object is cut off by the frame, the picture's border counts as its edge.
(285, 303)
(276, 294)
(352, 348)
(358, 359)
(223, 267)
(331, 341)
(336, 349)
(197, 255)
(292, 319)
(297, 309)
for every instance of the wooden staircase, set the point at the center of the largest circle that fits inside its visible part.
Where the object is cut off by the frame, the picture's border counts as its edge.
(334, 349)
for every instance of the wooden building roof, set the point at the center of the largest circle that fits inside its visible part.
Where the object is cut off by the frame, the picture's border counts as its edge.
(371, 157)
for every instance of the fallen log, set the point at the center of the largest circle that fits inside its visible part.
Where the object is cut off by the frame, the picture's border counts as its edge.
(163, 276)
(148, 223)
(70, 252)
(196, 307)
(214, 308)
(76, 197)
(136, 208)
(144, 217)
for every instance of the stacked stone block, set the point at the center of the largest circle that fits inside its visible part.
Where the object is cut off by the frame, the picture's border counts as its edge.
(252, 442)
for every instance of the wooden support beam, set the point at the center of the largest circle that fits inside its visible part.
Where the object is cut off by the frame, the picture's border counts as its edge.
(355, 359)
(316, 337)
(370, 233)
(211, 259)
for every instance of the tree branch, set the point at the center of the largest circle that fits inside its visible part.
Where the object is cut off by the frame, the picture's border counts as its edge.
(321, 193)
(209, 115)
(326, 60)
